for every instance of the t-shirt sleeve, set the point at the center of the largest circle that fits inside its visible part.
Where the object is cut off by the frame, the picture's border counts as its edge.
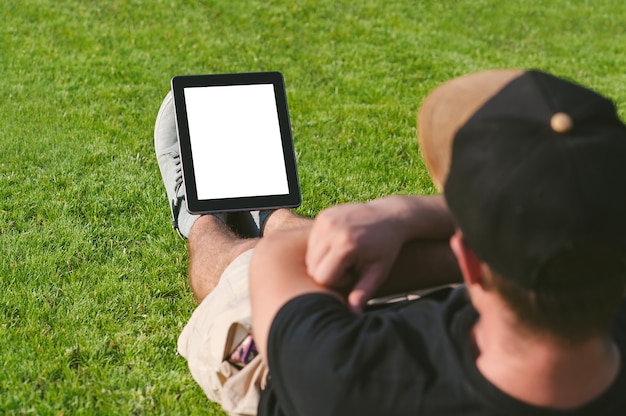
(324, 360)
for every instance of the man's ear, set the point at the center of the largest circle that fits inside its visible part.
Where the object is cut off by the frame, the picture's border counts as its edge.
(470, 265)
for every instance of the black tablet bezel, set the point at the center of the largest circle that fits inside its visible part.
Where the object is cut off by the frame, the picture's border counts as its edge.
(247, 203)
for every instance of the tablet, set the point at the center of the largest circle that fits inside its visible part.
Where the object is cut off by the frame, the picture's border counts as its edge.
(235, 142)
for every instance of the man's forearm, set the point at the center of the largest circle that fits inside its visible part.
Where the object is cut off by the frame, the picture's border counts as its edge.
(419, 217)
(421, 264)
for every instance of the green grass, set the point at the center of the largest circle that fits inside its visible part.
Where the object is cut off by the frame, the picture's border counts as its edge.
(93, 281)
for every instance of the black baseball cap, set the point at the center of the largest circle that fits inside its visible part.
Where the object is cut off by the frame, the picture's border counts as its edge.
(531, 165)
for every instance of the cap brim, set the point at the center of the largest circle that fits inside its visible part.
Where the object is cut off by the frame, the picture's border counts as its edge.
(447, 108)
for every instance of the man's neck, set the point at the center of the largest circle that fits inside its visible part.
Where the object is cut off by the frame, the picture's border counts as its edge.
(542, 372)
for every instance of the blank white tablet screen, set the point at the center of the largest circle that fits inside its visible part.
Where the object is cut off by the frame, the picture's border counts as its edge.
(235, 140)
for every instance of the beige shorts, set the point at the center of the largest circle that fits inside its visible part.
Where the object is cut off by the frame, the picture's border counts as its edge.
(216, 327)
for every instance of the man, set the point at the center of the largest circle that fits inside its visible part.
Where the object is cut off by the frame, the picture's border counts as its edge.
(533, 176)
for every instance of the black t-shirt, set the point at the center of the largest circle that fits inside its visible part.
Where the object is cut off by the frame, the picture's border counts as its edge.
(411, 359)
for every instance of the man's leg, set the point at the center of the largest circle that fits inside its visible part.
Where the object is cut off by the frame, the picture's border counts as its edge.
(218, 275)
(219, 254)
(213, 246)
(284, 219)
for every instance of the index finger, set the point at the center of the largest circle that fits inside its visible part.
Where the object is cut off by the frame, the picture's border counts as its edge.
(365, 288)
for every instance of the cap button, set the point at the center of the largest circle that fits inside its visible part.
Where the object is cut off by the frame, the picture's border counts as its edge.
(561, 123)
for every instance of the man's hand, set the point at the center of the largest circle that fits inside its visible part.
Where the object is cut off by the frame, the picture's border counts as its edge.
(354, 246)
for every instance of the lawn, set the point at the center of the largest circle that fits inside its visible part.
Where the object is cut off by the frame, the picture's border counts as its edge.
(93, 279)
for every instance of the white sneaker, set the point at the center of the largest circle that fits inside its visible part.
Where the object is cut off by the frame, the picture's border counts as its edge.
(168, 157)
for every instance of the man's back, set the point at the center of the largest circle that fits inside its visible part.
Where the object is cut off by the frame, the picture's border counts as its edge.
(415, 358)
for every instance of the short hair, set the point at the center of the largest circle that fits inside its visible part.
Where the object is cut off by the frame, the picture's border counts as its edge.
(579, 294)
